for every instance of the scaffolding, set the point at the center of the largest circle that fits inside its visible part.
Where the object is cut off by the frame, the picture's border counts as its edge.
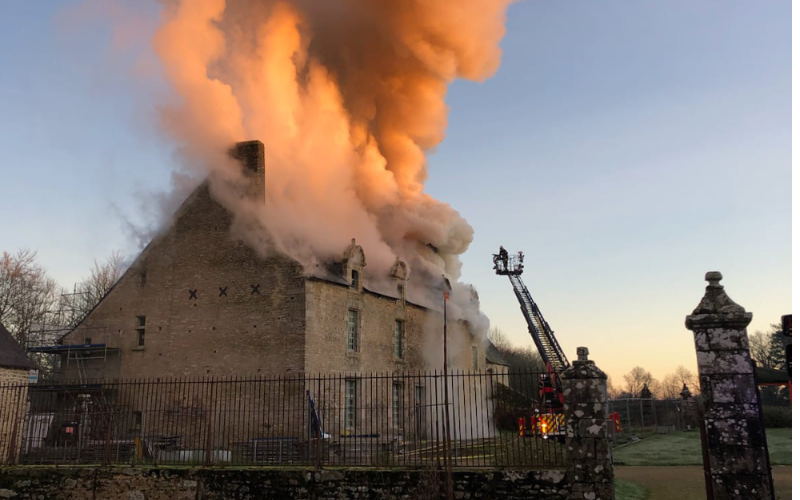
(78, 354)
(43, 341)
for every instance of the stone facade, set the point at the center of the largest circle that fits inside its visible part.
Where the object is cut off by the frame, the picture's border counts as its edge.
(225, 484)
(13, 376)
(198, 302)
(589, 471)
(13, 405)
(735, 444)
(14, 372)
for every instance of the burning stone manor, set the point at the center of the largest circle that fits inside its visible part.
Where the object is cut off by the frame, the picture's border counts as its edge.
(198, 302)
(252, 355)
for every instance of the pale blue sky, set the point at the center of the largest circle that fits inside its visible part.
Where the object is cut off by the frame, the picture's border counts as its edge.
(626, 146)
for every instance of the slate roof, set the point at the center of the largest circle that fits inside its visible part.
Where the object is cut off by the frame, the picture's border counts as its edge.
(493, 355)
(12, 355)
(332, 274)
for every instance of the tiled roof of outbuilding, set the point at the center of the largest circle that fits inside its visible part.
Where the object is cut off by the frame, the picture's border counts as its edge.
(12, 355)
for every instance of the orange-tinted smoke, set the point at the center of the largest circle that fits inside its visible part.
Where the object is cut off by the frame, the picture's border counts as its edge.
(347, 96)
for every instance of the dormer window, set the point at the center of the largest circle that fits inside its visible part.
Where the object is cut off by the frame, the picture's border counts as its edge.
(353, 263)
(399, 274)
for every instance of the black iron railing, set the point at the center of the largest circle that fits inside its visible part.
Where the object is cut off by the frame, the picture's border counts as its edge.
(360, 419)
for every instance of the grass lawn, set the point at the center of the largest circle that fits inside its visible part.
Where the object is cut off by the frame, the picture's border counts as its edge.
(685, 482)
(683, 448)
(627, 490)
(780, 446)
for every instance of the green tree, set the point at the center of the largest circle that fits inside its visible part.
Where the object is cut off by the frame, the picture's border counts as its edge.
(768, 350)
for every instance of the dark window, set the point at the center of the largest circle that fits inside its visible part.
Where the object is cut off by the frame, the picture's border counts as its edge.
(354, 275)
(399, 341)
(397, 403)
(421, 408)
(87, 340)
(143, 278)
(401, 290)
(352, 330)
(350, 389)
(137, 421)
(140, 326)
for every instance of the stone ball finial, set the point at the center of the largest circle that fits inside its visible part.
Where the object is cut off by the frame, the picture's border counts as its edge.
(583, 353)
(713, 278)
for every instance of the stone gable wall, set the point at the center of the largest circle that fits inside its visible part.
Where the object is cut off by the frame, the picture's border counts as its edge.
(219, 334)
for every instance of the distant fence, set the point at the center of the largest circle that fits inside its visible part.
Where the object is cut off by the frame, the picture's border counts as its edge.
(643, 417)
(359, 419)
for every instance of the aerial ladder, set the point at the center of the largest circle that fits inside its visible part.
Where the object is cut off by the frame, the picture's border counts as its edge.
(543, 337)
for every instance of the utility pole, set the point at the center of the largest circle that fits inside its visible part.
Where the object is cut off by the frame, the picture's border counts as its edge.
(447, 465)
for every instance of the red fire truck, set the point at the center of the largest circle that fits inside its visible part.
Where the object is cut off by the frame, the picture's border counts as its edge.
(549, 422)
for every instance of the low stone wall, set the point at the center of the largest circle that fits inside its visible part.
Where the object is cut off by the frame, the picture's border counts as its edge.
(34, 483)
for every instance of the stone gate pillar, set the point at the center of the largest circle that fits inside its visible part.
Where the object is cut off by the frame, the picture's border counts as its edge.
(737, 464)
(688, 409)
(589, 469)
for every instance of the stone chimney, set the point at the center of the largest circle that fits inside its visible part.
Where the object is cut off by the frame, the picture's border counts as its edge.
(251, 155)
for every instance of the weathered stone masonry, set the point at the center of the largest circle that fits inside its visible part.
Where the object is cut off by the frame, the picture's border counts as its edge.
(737, 463)
(589, 471)
(226, 484)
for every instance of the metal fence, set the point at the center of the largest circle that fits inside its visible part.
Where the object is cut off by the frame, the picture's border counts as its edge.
(360, 419)
(640, 418)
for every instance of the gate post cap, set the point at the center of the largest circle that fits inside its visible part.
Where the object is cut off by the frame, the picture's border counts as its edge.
(713, 278)
(716, 309)
(583, 367)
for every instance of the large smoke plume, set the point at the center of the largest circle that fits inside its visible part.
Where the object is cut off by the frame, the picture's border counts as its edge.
(347, 96)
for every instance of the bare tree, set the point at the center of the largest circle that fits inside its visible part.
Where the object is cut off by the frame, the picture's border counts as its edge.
(656, 389)
(613, 391)
(768, 348)
(14, 271)
(688, 377)
(636, 379)
(762, 351)
(672, 384)
(499, 339)
(28, 296)
(88, 293)
(104, 276)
